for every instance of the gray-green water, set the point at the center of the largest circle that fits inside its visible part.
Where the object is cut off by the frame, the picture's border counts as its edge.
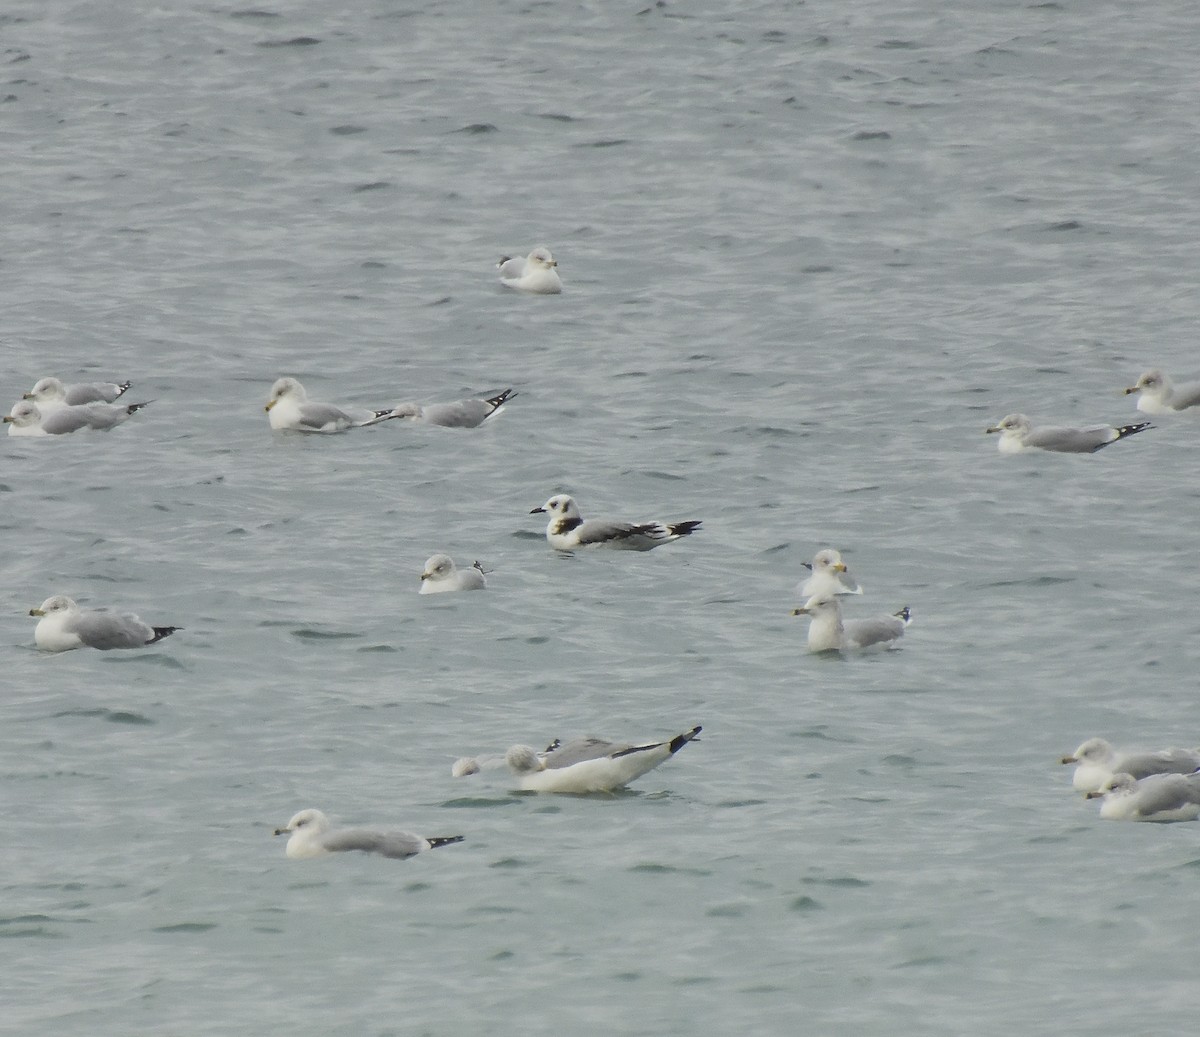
(810, 251)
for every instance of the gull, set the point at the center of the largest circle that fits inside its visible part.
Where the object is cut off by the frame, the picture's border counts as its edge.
(829, 576)
(1160, 396)
(1096, 761)
(460, 414)
(1017, 433)
(27, 419)
(1158, 797)
(589, 764)
(311, 837)
(441, 576)
(535, 273)
(289, 408)
(568, 530)
(63, 625)
(827, 632)
(50, 392)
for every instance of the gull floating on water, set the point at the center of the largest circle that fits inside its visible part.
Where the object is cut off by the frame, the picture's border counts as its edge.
(64, 625)
(290, 408)
(1160, 396)
(460, 414)
(441, 576)
(829, 576)
(568, 529)
(1096, 761)
(827, 631)
(27, 419)
(311, 837)
(1159, 797)
(581, 765)
(1017, 434)
(49, 393)
(535, 273)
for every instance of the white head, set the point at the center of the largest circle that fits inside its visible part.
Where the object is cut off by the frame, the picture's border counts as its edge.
(1013, 425)
(823, 605)
(48, 390)
(408, 410)
(60, 604)
(307, 821)
(828, 560)
(287, 388)
(463, 766)
(1117, 785)
(560, 506)
(1151, 381)
(523, 759)
(439, 567)
(24, 414)
(1094, 750)
(541, 259)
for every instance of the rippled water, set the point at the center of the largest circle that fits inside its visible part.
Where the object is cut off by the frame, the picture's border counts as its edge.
(810, 251)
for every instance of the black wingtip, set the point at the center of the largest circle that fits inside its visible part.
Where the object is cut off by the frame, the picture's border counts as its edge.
(679, 741)
(123, 388)
(904, 615)
(500, 398)
(161, 632)
(443, 840)
(1129, 430)
(682, 529)
(133, 408)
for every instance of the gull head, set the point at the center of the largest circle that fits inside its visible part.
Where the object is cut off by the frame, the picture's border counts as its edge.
(1094, 750)
(1016, 424)
(286, 387)
(828, 560)
(1150, 381)
(523, 759)
(60, 603)
(47, 390)
(1119, 784)
(408, 410)
(305, 821)
(560, 505)
(439, 567)
(541, 258)
(23, 414)
(818, 607)
(463, 766)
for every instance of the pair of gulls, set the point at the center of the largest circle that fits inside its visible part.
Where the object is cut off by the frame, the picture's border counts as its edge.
(289, 408)
(51, 408)
(584, 765)
(1138, 786)
(827, 631)
(567, 530)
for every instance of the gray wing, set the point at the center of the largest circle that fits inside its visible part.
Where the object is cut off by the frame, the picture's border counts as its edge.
(1166, 792)
(103, 416)
(318, 415)
(462, 414)
(579, 749)
(400, 845)
(64, 420)
(1071, 440)
(1168, 761)
(865, 632)
(105, 630)
(1186, 395)
(602, 531)
(511, 269)
(93, 392)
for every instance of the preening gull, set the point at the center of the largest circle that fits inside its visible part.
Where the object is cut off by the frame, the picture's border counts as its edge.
(1159, 797)
(1096, 761)
(568, 530)
(589, 764)
(829, 576)
(27, 419)
(827, 632)
(311, 837)
(460, 414)
(1160, 396)
(64, 625)
(1017, 434)
(535, 273)
(290, 408)
(441, 576)
(49, 393)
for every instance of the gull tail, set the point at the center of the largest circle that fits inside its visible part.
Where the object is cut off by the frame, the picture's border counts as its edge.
(1129, 430)
(442, 840)
(682, 529)
(161, 632)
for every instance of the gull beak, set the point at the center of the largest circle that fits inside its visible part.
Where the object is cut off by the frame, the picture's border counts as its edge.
(425, 576)
(1093, 795)
(554, 262)
(535, 511)
(994, 428)
(7, 418)
(34, 612)
(282, 831)
(801, 612)
(1130, 390)
(1068, 759)
(27, 396)
(270, 405)
(840, 567)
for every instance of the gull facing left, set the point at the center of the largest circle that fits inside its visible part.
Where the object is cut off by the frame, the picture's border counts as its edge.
(312, 836)
(568, 530)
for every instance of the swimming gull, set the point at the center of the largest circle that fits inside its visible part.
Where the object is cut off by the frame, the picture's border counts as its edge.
(48, 393)
(460, 414)
(590, 764)
(27, 419)
(64, 625)
(827, 631)
(1160, 396)
(1017, 434)
(1096, 761)
(535, 273)
(311, 837)
(1158, 797)
(568, 530)
(829, 576)
(441, 576)
(290, 408)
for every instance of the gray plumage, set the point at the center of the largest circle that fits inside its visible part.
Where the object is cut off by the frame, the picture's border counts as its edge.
(1017, 434)
(98, 416)
(459, 414)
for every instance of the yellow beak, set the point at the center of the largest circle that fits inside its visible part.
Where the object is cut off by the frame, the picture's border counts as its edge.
(270, 405)
(36, 612)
